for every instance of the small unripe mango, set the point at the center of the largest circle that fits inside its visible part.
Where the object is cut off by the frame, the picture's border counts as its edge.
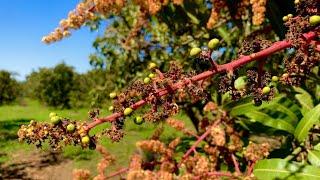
(146, 80)
(111, 108)
(240, 83)
(151, 75)
(138, 120)
(113, 95)
(195, 51)
(127, 111)
(275, 78)
(213, 43)
(285, 18)
(266, 90)
(314, 20)
(52, 114)
(71, 127)
(152, 65)
(55, 120)
(85, 140)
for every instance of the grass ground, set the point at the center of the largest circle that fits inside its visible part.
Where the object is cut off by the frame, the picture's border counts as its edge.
(13, 116)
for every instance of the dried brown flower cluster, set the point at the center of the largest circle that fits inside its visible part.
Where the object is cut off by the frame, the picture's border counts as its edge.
(254, 84)
(305, 57)
(308, 7)
(161, 107)
(57, 135)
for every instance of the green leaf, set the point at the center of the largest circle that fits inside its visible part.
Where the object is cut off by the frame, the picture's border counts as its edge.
(291, 115)
(266, 120)
(281, 169)
(232, 104)
(311, 117)
(242, 108)
(305, 99)
(317, 147)
(314, 157)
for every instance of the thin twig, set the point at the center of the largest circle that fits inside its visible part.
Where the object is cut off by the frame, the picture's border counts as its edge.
(236, 164)
(120, 171)
(202, 137)
(215, 173)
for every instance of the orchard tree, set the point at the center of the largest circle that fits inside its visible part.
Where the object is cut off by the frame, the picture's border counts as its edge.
(246, 72)
(10, 89)
(53, 86)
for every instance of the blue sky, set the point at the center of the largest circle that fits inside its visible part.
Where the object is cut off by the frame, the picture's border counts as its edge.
(24, 22)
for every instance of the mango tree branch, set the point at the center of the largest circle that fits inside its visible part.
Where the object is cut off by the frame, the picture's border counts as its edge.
(277, 46)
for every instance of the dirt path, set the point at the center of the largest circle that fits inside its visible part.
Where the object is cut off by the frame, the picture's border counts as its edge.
(37, 165)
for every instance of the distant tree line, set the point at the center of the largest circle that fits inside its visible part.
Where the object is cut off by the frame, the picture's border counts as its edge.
(60, 87)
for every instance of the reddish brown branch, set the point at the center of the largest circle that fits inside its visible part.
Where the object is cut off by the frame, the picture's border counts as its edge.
(277, 46)
(202, 137)
(120, 171)
(236, 164)
(250, 168)
(215, 173)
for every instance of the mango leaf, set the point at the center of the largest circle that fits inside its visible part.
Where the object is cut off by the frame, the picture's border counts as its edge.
(275, 169)
(266, 120)
(292, 117)
(240, 109)
(232, 104)
(317, 147)
(305, 99)
(311, 118)
(318, 92)
(314, 157)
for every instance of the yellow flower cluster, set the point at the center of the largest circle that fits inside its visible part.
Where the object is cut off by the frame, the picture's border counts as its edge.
(217, 6)
(88, 9)
(258, 9)
(85, 11)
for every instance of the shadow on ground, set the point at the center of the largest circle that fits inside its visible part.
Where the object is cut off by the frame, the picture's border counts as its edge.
(37, 166)
(9, 129)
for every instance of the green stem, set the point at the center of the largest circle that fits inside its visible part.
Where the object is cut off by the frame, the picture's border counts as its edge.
(294, 153)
